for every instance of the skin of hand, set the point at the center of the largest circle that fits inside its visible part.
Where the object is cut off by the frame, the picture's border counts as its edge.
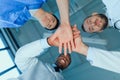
(56, 41)
(64, 32)
(64, 36)
(80, 47)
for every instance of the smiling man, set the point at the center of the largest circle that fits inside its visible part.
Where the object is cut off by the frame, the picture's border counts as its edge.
(95, 23)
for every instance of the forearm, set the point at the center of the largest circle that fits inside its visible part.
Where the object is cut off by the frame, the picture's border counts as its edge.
(26, 55)
(63, 10)
(83, 50)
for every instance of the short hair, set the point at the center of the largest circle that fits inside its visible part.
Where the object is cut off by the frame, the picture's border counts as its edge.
(57, 24)
(104, 17)
(63, 67)
(83, 28)
(106, 20)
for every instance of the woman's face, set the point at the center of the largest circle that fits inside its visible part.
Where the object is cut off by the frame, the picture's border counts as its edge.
(48, 21)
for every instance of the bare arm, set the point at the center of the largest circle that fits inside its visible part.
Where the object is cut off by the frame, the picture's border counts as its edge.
(64, 32)
(63, 10)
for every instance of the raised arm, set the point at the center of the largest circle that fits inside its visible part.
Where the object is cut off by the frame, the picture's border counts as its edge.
(63, 6)
(26, 56)
(64, 32)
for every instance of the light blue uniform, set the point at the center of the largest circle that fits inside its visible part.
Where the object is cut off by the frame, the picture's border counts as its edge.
(109, 60)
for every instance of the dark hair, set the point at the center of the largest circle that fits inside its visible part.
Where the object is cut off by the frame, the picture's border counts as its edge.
(57, 24)
(102, 16)
(63, 67)
(105, 18)
(83, 28)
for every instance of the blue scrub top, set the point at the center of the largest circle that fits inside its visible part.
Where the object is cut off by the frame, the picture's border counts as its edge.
(14, 13)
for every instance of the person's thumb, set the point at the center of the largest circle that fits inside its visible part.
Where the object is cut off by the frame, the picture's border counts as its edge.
(53, 36)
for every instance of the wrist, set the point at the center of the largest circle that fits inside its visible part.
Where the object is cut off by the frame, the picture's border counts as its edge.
(65, 23)
(83, 50)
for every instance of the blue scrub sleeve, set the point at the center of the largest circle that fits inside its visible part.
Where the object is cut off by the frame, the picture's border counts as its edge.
(16, 13)
(32, 4)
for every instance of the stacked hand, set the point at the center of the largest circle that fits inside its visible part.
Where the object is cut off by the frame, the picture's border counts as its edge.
(55, 41)
(80, 47)
(65, 37)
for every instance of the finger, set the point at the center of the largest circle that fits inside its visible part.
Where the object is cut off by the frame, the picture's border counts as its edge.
(75, 29)
(69, 47)
(60, 48)
(65, 49)
(53, 36)
(76, 33)
(72, 43)
(76, 36)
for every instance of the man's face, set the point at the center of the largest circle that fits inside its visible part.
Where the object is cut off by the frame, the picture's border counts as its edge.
(48, 21)
(93, 23)
(63, 61)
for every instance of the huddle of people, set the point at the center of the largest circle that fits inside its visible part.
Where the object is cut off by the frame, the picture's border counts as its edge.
(16, 15)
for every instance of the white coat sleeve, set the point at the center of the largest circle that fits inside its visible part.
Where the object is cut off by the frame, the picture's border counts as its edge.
(109, 60)
(26, 56)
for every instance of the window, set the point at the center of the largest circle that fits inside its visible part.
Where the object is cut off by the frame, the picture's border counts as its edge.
(1, 44)
(5, 60)
(10, 74)
(8, 69)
